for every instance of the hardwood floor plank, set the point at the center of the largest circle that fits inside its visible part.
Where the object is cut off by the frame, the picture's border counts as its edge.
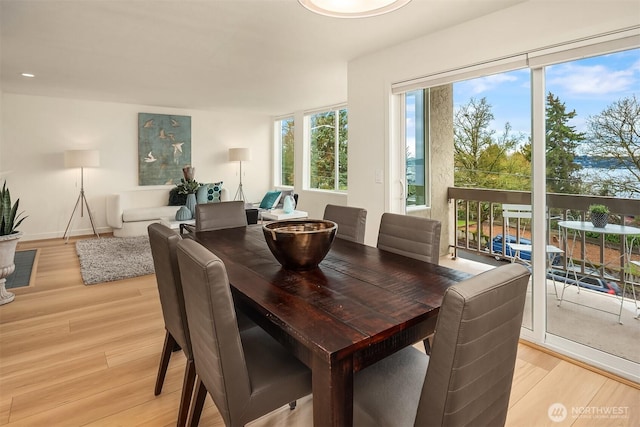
(128, 379)
(579, 386)
(615, 404)
(97, 403)
(29, 379)
(5, 410)
(525, 377)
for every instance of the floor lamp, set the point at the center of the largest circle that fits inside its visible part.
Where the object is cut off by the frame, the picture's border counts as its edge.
(81, 159)
(239, 155)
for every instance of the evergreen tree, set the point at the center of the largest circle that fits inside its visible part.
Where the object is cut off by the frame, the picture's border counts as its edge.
(561, 143)
(287, 130)
(323, 150)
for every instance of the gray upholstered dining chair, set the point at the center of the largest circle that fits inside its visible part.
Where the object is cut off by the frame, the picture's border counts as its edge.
(247, 373)
(216, 216)
(413, 237)
(410, 236)
(467, 379)
(163, 243)
(351, 221)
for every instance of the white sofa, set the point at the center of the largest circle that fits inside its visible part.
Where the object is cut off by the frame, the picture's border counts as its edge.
(129, 213)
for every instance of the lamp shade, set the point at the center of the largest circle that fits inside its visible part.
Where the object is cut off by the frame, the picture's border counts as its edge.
(81, 159)
(239, 154)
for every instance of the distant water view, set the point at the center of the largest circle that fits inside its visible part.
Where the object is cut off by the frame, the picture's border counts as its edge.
(596, 167)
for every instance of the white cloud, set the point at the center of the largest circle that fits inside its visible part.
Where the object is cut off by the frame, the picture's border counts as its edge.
(591, 80)
(484, 84)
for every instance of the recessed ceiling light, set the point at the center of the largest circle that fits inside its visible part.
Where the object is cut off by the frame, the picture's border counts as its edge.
(352, 8)
(28, 75)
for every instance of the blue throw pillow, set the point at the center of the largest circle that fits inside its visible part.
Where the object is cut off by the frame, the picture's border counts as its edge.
(270, 200)
(209, 193)
(214, 193)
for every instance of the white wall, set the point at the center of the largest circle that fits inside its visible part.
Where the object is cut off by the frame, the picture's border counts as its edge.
(522, 28)
(37, 130)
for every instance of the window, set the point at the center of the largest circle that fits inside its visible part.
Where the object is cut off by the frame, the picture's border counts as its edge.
(285, 142)
(415, 147)
(328, 136)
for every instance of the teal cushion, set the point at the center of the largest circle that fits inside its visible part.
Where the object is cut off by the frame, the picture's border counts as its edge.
(209, 193)
(214, 193)
(270, 200)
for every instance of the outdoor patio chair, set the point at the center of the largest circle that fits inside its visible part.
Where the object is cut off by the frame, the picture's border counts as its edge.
(467, 379)
(516, 250)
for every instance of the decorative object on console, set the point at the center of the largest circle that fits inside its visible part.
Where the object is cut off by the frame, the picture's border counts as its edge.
(289, 204)
(183, 214)
(599, 215)
(9, 236)
(81, 159)
(239, 155)
(188, 185)
(191, 204)
(164, 148)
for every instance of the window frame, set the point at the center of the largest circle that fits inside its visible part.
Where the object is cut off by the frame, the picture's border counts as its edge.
(307, 132)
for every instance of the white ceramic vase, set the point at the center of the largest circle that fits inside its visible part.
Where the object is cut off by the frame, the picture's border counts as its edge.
(289, 204)
(8, 245)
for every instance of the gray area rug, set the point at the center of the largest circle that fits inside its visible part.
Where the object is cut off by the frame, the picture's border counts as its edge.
(114, 258)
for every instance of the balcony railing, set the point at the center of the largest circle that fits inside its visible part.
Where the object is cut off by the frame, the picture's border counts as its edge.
(478, 213)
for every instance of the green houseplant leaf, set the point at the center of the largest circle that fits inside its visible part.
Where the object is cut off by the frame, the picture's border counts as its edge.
(10, 218)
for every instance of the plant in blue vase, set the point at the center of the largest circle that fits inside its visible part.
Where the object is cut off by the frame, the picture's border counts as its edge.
(189, 186)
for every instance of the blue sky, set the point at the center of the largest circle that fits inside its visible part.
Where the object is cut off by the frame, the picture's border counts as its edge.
(587, 86)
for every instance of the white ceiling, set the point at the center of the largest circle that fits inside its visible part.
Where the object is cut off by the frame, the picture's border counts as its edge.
(267, 56)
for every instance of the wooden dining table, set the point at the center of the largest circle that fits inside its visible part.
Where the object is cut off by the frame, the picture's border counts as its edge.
(359, 306)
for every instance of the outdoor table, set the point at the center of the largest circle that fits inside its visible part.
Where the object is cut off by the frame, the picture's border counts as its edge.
(579, 228)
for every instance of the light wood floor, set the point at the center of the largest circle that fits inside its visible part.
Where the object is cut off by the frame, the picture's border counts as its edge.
(76, 355)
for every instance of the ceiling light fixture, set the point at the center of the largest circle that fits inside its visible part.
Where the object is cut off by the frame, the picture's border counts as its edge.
(27, 75)
(352, 8)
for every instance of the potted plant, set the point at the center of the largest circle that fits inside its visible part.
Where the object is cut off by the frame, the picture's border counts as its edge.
(189, 186)
(599, 215)
(10, 219)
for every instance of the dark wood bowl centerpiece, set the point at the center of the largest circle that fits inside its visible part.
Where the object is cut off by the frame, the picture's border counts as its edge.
(300, 244)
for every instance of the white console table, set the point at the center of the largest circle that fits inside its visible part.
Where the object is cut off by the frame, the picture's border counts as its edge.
(278, 215)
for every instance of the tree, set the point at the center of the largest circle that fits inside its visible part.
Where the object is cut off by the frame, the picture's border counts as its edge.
(561, 143)
(323, 150)
(481, 158)
(614, 134)
(287, 129)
